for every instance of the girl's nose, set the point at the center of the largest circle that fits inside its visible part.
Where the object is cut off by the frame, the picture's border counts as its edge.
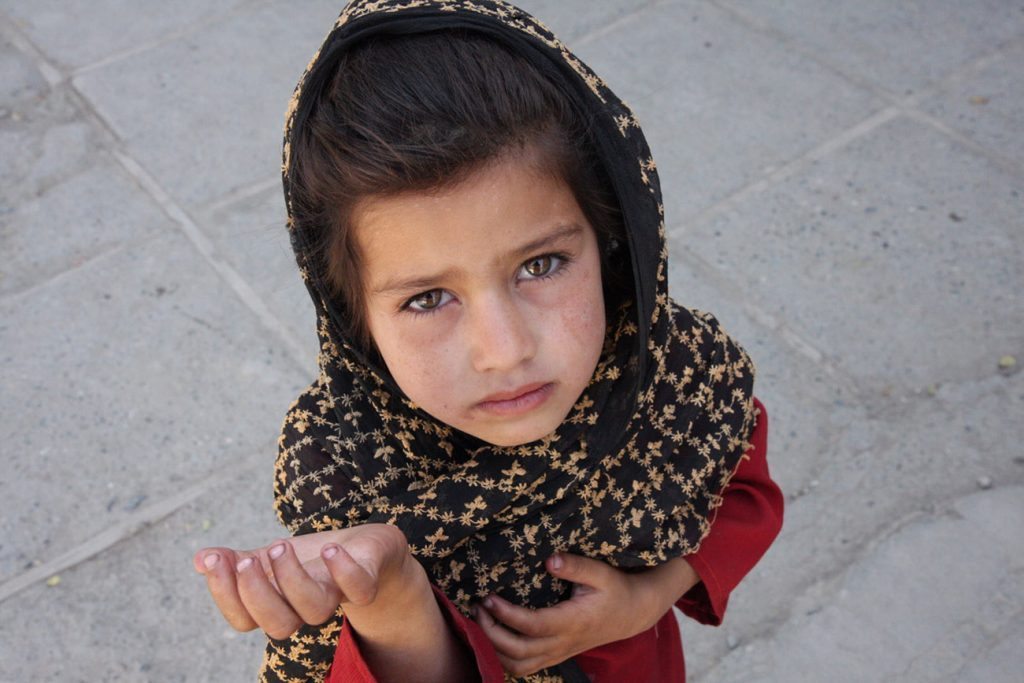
(501, 336)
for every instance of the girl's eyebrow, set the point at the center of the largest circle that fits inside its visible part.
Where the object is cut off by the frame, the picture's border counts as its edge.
(563, 232)
(421, 283)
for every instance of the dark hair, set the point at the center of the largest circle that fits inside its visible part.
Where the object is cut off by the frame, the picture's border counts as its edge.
(421, 113)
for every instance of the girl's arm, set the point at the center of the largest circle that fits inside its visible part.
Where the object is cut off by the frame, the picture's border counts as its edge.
(388, 602)
(747, 522)
(746, 525)
(607, 605)
(303, 500)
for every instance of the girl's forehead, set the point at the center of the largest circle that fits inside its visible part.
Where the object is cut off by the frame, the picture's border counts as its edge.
(492, 214)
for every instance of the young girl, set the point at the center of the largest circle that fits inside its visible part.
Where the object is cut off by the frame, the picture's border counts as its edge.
(511, 459)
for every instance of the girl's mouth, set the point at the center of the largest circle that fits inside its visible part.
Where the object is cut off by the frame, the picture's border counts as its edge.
(517, 401)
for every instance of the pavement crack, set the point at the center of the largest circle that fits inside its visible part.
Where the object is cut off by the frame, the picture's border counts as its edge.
(616, 23)
(202, 243)
(27, 291)
(131, 525)
(169, 37)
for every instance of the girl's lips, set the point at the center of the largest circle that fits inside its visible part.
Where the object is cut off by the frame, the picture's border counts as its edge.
(517, 401)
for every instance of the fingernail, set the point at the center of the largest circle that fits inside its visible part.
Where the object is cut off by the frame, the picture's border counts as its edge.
(489, 602)
(211, 560)
(276, 551)
(244, 564)
(330, 551)
(556, 562)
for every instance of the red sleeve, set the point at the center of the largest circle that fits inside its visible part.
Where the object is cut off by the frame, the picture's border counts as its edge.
(747, 522)
(350, 667)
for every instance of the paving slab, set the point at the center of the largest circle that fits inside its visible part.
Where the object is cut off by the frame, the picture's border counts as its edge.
(43, 138)
(869, 255)
(987, 105)
(138, 611)
(901, 459)
(112, 26)
(76, 220)
(54, 176)
(902, 47)
(251, 235)
(125, 380)
(206, 110)
(807, 403)
(574, 20)
(925, 603)
(19, 78)
(717, 101)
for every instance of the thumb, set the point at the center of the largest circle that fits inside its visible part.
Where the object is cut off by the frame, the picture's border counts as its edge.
(357, 583)
(578, 569)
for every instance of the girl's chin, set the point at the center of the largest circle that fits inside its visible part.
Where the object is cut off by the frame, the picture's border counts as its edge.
(510, 436)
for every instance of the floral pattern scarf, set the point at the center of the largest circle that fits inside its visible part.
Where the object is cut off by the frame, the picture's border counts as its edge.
(632, 476)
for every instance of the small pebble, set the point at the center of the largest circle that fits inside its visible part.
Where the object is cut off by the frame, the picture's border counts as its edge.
(1007, 365)
(979, 100)
(732, 642)
(134, 503)
(206, 525)
(985, 482)
(53, 580)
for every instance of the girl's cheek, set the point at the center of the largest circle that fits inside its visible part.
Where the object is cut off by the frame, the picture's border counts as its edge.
(581, 303)
(585, 322)
(408, 341)
(428, 335)
(429, 338)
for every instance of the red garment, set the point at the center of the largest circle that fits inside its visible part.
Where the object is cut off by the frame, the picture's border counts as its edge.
(747, 522)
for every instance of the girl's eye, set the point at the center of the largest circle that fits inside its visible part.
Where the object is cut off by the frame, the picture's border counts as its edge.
(428, 301)
(541, 265)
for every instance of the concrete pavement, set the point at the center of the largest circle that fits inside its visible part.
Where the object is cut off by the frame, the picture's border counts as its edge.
(844, 188)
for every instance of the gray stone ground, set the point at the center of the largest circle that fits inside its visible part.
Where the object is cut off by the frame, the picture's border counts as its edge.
(844, 188)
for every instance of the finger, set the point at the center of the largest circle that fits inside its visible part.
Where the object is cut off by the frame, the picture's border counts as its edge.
(533, 623)
(218, 564)
(313, 601)
(511, 648)
(266, 606)
(507, 643)
(260, 553)
(307, 547)
(198, 560)
(580, 570)
(357, 585)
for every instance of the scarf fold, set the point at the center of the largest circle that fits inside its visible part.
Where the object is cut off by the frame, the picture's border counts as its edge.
(631, 477)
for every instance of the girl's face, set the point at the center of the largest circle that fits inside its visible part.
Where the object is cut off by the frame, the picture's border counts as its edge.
(485, 299)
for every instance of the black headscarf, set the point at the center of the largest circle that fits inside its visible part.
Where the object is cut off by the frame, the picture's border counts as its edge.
(634, 473)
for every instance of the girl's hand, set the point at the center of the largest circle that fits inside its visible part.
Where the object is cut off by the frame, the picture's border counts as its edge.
(607, 604)
(304, 579)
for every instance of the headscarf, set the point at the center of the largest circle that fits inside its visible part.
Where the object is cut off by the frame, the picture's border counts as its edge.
(634, 473)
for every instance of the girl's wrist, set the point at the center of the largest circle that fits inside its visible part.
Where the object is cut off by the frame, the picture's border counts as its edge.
(664, 585)
(403, 588)
(404, 630)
